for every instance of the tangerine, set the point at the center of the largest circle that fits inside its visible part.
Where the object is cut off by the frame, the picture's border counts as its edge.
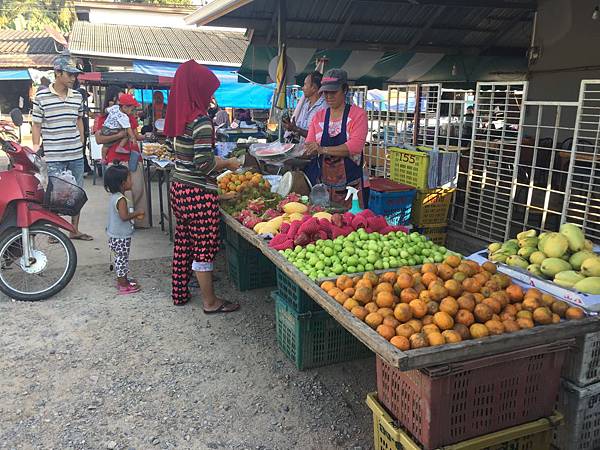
(400, 342)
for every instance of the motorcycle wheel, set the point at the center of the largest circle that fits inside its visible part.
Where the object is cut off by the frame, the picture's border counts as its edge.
(52, 264)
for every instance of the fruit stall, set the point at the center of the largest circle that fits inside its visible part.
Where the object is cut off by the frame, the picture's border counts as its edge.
(348, 284)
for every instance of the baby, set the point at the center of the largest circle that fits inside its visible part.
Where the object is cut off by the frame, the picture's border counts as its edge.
(118, 119)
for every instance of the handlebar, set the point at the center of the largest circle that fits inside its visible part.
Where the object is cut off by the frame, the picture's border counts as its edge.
(7, 146)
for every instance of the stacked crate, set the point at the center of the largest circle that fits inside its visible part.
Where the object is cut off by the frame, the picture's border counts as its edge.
(392, 200)
(497, 402)
(430, 207)
(306, 333)
(247, 267)
(579, 396)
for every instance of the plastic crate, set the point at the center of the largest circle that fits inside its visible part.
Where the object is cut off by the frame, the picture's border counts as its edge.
(236, 240)
(249, 269)
(293, 294)
(437, 235)
(395, 206)
(535, 435)
(409, 167)
(448, 404)
(431, 207)
(314, 339)
(581, 408)
(582, 365)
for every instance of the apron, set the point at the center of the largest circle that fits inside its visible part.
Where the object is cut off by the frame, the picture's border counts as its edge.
(336, 173)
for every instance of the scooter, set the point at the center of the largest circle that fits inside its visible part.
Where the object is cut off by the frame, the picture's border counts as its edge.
(37, 260)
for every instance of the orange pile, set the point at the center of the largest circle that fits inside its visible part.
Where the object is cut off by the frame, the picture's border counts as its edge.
(236, 182)
(445, 303)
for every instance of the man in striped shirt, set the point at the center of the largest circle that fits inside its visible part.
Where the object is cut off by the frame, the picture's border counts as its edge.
(58, 120)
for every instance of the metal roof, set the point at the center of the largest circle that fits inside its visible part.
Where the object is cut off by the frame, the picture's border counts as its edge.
(26, 42)
(448, 26)
(27, 61)
(213, 47)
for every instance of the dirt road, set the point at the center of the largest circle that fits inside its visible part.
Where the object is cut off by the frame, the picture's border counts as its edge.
(92, 370)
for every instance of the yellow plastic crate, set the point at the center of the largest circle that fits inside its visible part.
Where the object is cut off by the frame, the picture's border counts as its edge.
(409, 167)
(431, 207)
(436, 233)
(536, 435)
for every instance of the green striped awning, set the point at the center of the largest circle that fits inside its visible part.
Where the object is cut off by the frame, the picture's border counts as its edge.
(374, 69)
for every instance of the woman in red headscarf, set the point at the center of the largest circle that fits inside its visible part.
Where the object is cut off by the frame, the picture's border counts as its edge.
(194, 197)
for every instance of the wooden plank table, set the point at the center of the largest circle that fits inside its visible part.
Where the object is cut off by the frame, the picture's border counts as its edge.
(425, 357)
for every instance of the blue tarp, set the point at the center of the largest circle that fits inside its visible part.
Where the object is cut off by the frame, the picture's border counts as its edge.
(231, 93)
(11, 74)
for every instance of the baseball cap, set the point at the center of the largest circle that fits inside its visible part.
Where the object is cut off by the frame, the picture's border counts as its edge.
(127, 100)
(333, 80)
(64, 63)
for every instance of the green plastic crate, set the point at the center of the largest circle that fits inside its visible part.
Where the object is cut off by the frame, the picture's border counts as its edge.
(294, 295)
(234, 239)
(314, 339)
(249, 269)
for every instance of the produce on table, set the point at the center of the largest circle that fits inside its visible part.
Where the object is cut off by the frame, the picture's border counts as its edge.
(445, 303)
(236, 182)
(324, 226)
(362, 251)
(567, 257)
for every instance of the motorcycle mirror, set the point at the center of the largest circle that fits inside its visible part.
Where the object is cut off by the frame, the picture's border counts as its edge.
(17, 117)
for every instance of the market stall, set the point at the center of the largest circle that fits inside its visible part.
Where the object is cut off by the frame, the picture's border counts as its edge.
(511, 318)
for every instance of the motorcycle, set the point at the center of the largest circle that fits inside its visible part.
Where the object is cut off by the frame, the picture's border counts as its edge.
(37, 260)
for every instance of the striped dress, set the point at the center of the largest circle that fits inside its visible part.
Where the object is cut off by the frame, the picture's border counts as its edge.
(58, 118)
(194, 155)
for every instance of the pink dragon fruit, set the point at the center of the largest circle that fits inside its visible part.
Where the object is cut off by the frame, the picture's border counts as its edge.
(270, 214)
(288, 199)
(257, 205)
(251, 221)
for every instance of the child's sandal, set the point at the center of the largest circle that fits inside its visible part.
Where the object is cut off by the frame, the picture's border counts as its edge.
(128, 289)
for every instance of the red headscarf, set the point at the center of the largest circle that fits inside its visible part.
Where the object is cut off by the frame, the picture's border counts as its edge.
(193, 87)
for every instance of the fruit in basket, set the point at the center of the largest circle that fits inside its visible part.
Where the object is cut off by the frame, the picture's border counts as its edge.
(425, 319)
(295, 207)
(551, 266)
(517, 261)
(591, 267)
(590, 285)
(400, 342)
(574, 236)
(537, 257)
(577, 259)
(554, 245)
(568, 278)
(573, 313)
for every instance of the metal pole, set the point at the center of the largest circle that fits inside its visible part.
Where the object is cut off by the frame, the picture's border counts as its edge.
(281, 41)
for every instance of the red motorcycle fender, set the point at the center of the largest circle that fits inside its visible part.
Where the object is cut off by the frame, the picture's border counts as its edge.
(30, 213)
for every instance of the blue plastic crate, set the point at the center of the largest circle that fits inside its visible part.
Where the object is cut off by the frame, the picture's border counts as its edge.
(395, 206)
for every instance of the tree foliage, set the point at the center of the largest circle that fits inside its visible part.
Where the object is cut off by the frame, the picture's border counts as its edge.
(36, 15)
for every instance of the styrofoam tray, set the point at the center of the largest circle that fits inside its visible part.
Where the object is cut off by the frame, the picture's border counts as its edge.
(588, 302)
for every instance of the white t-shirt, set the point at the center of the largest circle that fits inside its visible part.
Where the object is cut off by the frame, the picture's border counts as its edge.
(116, 119)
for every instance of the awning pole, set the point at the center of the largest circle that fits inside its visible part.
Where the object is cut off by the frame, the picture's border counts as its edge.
(281, 41)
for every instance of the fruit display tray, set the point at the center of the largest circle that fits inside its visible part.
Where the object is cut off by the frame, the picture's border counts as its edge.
(589, 302)
(452, 403)
(424, 357)
(536, 435)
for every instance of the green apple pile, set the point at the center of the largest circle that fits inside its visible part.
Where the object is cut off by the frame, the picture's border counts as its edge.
(567, 257)
(362, 252)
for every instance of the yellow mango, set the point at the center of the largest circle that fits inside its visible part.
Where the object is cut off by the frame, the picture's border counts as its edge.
(295, 207)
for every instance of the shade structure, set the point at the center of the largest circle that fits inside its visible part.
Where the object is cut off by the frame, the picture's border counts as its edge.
(125, 79)
(10, 74)
(231, 93)
(376, 69)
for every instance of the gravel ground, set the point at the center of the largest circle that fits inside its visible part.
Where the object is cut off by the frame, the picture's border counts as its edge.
(90, 370)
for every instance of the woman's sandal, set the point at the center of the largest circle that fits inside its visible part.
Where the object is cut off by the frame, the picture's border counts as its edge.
(226, 307)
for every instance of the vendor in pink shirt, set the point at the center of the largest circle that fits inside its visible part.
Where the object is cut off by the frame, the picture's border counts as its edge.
(336, 140)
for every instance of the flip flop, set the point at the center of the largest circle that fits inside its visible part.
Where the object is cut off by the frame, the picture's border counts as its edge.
(226, 307)
(81, 237)
(129, 289)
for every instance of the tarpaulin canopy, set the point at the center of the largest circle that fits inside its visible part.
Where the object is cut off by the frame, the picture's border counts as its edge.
(231, 93)
(11, 74)
(125, 79)
(376, 68)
